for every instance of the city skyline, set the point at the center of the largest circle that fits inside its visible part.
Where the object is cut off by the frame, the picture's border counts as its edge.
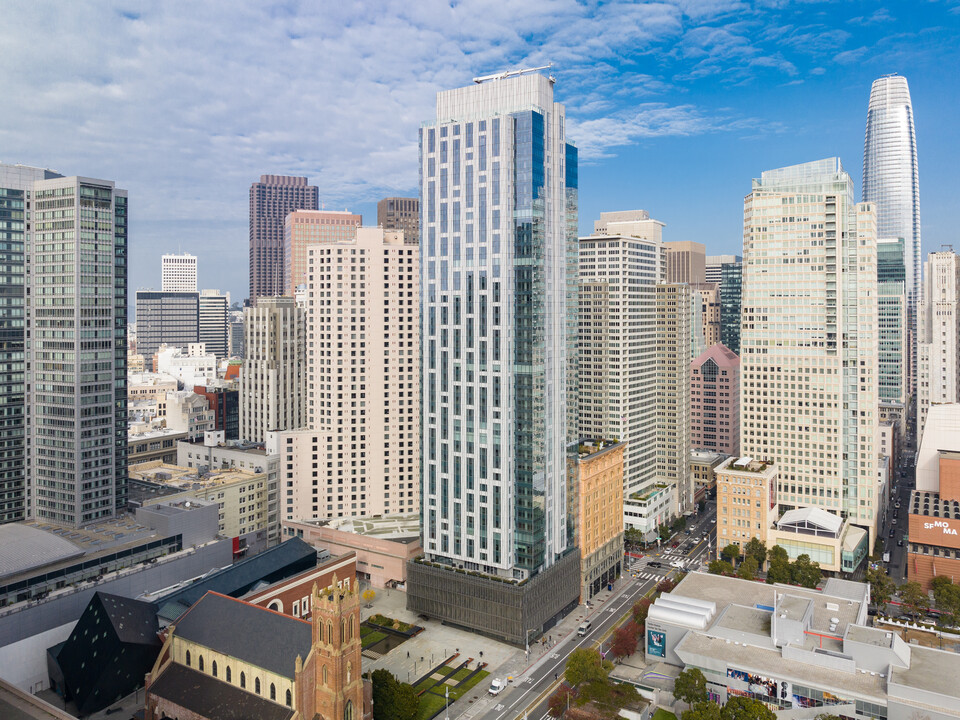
(712, 93)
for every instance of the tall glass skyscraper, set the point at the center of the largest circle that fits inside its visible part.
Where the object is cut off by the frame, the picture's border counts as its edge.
(496, 343)
(498, 337)
(891, 182)
(892, 315)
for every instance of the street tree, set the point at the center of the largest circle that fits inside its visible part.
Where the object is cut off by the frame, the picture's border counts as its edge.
(881, 586)
(385, 687)
(757, 550)
(702, 711)
(666, 585)
(368, 596)
(748, 568)
(745, 708)
(778, 553)
(690, 686)
(720, 567)
(407, 702)
(947, 597)
(679, 523)
(731, 552)
(625, 640)
(560, 700)
(640, 610)
(913, 597)
(584, 666)
(805, 573)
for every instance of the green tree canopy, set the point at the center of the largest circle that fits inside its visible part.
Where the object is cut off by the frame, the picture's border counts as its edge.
(385, 688)
(731, 552)
(702, 711)
(881, 586)
(407, 702)
(720, 567)
(913, 597)
(690, 686)
(584, 666)
(946, 595)
(805, 573)
(744, 708)
(777, 553)
(748, 568)
(640, 610)
(679, 523)
(757, 550)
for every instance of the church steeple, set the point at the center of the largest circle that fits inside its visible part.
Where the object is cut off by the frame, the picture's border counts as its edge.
(330, 678)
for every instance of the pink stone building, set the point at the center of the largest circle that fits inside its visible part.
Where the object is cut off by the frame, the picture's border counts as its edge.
(715, 401)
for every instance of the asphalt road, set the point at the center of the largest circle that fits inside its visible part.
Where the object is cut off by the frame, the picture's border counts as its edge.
(530, 695)
(897, 568)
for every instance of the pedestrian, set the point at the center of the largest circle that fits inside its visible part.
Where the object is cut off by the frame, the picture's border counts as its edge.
(556, 675)
(408, 654)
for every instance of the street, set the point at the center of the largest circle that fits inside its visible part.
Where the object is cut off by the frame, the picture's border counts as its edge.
(896, 522)
(530, 693)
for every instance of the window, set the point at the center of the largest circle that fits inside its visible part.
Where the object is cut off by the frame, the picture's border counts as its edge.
(273, 691)
(243, 679)
(188, 658)
(214, 668)
(229, 678)
(348, 710)
(289, 699)
(256, 686)
(200, 663)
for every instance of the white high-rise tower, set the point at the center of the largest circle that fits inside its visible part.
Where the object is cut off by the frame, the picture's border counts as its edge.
(891, 183)
(498, 339)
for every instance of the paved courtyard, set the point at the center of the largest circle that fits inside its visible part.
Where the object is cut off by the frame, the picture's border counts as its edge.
(418, 655)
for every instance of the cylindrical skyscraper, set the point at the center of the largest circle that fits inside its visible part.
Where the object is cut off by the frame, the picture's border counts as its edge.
(890, 181)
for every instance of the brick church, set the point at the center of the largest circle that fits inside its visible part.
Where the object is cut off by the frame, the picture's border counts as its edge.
(226, 658)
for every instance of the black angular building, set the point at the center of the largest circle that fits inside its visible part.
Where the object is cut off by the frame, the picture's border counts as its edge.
(106, 657)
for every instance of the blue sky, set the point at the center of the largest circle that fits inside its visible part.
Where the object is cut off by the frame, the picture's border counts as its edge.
(675, 105)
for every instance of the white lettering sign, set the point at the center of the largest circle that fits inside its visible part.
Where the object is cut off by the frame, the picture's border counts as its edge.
(947, 530)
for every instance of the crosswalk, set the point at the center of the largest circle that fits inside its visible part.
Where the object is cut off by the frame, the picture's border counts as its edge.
(640, 575)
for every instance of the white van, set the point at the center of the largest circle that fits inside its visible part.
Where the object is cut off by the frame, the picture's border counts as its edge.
(584, 628)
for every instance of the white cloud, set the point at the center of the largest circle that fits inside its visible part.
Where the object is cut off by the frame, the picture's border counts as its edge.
(185, 104)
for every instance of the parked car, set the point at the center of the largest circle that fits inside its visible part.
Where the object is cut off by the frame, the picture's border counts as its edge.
(675, 545)
(655, 564)
(891, 532)
(900, 542)
(497, 686)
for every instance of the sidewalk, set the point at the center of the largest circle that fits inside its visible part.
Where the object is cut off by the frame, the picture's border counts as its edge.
(520, 664)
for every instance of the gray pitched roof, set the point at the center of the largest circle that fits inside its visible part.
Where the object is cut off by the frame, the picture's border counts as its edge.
(251, 633)
(214, 699)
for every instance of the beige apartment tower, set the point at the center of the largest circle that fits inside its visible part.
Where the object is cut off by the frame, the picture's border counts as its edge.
(938, 330)
(809, 348)
(620, 265)
(686, 262)
(302, 229)
(675, 307)
(360, 452)
(273, 378)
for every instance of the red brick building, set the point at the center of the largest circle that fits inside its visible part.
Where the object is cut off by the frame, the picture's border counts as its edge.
(292, 596)
(934, 525)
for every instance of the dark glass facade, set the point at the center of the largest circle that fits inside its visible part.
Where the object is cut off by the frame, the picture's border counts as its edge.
(730, 290)
(12, 480)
